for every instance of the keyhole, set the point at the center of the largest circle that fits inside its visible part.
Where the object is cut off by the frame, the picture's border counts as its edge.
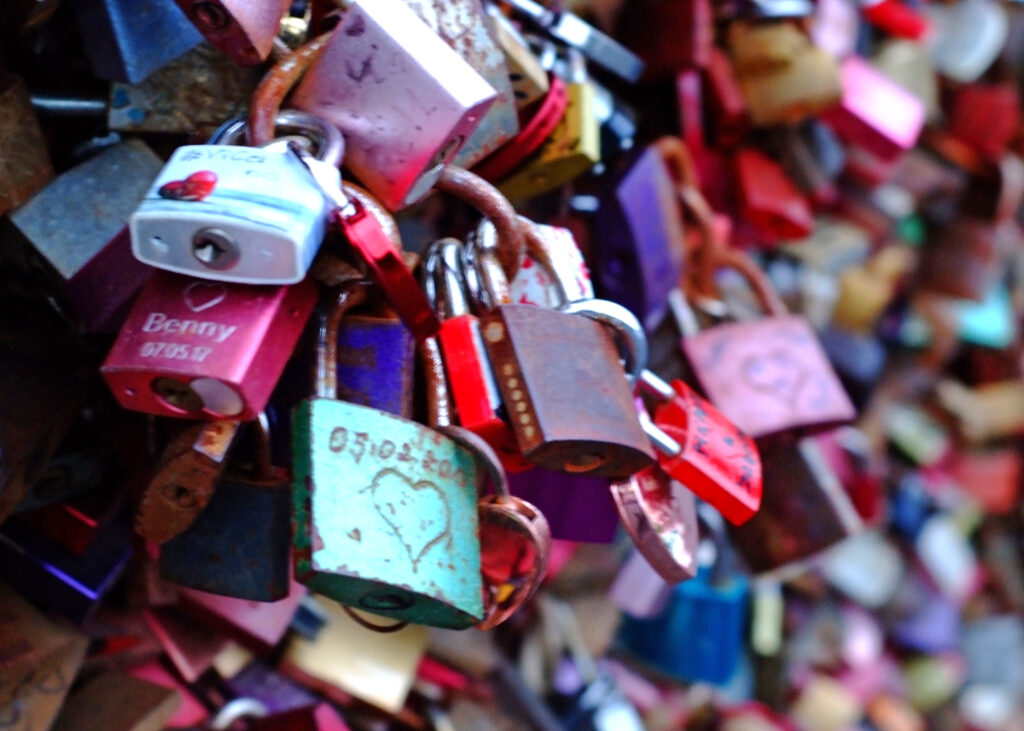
(210, 16)
(182, 497)
(386, 601)
(214, 248)
(177, 394)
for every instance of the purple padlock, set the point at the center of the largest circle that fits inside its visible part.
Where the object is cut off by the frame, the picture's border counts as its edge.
(578, 507)
(638, 239)
(276, 692)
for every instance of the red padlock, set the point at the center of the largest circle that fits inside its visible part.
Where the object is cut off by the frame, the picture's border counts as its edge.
(714, 460)
(768, 199)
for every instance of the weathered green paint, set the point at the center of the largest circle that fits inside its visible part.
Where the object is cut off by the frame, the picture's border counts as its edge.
(385, 515)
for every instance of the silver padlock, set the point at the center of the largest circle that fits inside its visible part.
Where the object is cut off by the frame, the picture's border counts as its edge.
(250, 215)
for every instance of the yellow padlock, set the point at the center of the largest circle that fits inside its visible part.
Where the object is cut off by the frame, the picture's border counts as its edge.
(865, 291)
(573, 148)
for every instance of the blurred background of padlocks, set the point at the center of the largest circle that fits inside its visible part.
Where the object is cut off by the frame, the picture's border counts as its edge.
(592, 365)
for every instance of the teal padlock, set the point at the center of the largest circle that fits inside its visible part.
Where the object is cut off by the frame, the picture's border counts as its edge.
(384, 509)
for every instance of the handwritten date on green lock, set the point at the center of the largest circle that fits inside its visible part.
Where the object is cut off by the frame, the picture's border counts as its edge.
(385, 515)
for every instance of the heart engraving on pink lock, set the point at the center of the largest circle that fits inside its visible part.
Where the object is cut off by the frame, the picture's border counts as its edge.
(776, 373)
(417, 513)
(201, 296)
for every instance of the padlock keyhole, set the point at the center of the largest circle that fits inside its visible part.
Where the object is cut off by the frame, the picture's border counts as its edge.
(214, 248)
(178, 395)
(386, 601)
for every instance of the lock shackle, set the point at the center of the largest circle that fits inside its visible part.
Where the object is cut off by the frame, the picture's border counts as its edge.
(631, 340)
(274, 87)
(504, 508)
(236, 710)
(483, 196)
(683, 170)
(449, 281)
(329, 143)
(756, 278)
(350, 294)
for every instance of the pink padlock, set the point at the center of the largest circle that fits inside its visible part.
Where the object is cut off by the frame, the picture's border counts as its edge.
(194, 348)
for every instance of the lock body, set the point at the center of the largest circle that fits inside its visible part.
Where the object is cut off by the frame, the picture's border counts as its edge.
(577, 507)
(466, 29)
(385, 515)
(572, 149)
(240, 545)
(768, 200)
(166, 101)
(26, 158)
(244, 30)
(231, 213)
(717, 462)
(376, 360)
(121, 36)
(638, 240)
(74, 229)
(404, 100)
(580, 420)
(206, 350)
(768, 376)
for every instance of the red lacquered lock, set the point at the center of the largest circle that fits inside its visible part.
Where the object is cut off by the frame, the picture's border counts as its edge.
(769, 375)
(768, 199)
(986, 117)
(729, 113)
(198, 349)
(715, 460)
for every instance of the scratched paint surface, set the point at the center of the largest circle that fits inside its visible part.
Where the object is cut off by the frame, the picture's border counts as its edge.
(385, 514)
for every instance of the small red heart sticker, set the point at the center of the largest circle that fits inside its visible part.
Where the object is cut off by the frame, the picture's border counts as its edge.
(195, 187)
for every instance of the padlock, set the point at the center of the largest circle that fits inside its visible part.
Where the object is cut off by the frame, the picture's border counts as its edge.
(470, 379)
(895, 17)
(544, 120)
(766, 376)
(191, 95)
(967, 37)
(572, 149)
(44, 656)
(800, 489)
(68, 584)
(865, 291)
(711, 457)
(797, 154)
(28, 165)
(768, 200)
(991, 411)
(726, 105)
(908, 63)
(46, 383)
(192, 348)
(577, 507)
(529, 79)
(74, 523)
(244, 31)
(565, 27)
(858, 359)
(184, 479)
(668, 36)
(260, 625)
(423, 103)
(114, 699)
(660, 516)
(74, 228)
(782, 76)
(515, 539)
(467, 31)
(348, 660)
(191, 646)
(240, 545)
(279, 695)
(415, 503)
(121, 34)
(558, 422)
(874, 113)
(706, 615)
(638, 238)
(238, 214)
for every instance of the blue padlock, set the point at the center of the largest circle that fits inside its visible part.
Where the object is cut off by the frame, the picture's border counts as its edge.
(127, 40)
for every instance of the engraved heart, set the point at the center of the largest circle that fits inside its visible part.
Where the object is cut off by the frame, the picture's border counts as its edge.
(201, 296)
(195, 187)
(777, 373)
(417, 513)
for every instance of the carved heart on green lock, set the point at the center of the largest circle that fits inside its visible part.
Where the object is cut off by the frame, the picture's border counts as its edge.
(417, 513)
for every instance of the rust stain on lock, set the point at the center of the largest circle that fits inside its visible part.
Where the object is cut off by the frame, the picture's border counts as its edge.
(184, 480)
(580, 419)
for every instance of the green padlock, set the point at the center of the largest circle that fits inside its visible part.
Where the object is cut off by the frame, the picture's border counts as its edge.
(385, 509)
